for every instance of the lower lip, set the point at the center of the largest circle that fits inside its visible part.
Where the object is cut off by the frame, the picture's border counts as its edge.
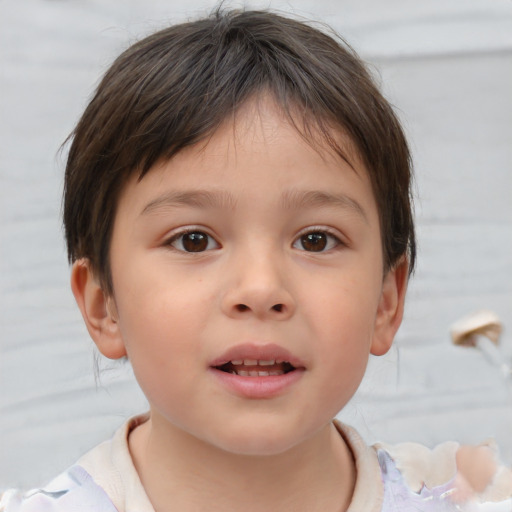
(258, 387)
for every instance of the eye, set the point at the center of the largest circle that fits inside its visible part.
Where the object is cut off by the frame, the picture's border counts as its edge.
(316, 241)
(193, 241)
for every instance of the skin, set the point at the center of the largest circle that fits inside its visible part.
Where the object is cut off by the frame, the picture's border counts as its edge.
(256, 188)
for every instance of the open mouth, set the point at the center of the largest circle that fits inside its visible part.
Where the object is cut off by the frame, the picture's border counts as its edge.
(256, 367)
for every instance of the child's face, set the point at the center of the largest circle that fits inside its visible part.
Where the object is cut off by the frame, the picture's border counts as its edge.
(253, 247)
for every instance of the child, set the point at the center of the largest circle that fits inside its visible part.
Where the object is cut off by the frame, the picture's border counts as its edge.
(238, 215)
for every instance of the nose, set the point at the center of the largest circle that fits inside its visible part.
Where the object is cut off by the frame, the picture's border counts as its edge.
(257, 287)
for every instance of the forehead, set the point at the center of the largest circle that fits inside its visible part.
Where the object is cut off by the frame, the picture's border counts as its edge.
(258, 136)
(264, 119)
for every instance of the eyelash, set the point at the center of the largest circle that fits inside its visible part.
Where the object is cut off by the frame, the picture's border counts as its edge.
(331, 241)
(191, 231)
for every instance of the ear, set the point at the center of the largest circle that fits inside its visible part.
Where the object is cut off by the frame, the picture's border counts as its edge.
(391, 308)
(98, 310)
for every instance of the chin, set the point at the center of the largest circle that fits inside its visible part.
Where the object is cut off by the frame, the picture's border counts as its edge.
(257, 441)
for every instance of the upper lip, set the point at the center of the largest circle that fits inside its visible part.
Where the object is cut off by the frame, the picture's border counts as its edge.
(266, 352)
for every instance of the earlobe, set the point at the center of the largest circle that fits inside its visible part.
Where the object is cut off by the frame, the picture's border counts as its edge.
(98, 310)
(391, 308)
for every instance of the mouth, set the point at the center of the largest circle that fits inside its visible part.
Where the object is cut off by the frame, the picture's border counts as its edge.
(256, 367)
(253, 360)
(258, 371)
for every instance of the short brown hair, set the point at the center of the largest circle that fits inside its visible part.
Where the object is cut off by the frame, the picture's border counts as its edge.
(174, 89)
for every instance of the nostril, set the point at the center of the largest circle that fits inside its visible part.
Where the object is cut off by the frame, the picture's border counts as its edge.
(279, 308)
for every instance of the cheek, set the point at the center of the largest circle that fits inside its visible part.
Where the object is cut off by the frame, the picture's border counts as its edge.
(162, 335)
(156, 295)
(344, 320)
(348, 307)
(162, 320)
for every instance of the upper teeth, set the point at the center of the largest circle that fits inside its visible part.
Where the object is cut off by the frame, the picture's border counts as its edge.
(243, 373)
(254, 362)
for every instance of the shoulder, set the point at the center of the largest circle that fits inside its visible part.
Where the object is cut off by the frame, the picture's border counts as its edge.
(411, 477)
(450, 475)
(103, 480)
(73, 490)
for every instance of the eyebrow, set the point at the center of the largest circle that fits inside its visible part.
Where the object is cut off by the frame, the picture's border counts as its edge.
(195, 198)
(290, 200)
(297, 200)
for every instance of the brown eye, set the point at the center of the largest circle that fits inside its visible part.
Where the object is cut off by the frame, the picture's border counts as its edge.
(316, 241)
(194, 241)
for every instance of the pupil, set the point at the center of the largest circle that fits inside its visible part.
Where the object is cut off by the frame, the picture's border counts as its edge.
(314, 241)
(195, 242)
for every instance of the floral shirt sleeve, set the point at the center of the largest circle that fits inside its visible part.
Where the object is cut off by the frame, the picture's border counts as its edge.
(72, 491)
(420, 484)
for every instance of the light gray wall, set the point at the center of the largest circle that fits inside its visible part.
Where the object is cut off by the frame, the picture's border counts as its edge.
(447, 67)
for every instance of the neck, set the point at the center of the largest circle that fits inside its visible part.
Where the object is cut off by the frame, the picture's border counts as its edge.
(177, 468)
